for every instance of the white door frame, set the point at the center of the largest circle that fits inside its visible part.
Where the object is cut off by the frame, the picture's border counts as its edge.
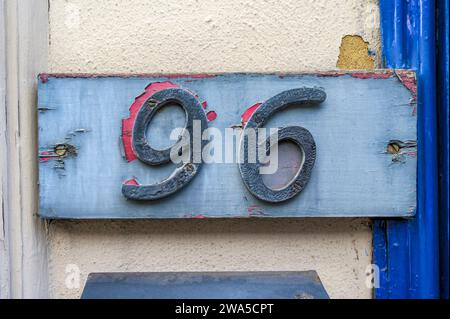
(23, 55)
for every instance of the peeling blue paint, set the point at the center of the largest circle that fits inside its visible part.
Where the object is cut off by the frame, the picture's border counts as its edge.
(407, 250)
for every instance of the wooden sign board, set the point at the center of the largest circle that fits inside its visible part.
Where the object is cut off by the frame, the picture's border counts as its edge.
(361, 159)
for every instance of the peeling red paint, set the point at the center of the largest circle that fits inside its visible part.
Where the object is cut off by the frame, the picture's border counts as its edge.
(44, 77)
(127, 124)
(372, 75)
(211, 115)
(44, 158)
(248, 113)
(408, 79)
(380, 74)
(198, 216)
(132, 181)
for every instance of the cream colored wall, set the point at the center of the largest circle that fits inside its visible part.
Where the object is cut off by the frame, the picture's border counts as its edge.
(171, 36)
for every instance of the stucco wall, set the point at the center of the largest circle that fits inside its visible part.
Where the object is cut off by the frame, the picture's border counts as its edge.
(209, 36)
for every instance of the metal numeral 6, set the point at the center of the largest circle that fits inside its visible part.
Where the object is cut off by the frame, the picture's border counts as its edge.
(302, 137)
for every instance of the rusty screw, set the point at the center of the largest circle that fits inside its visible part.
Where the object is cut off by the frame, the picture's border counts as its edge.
(61, 150)
(393, 148)
(189, 168)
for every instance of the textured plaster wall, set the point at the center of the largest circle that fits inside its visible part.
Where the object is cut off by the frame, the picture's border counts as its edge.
(209, 36)
(205, 35)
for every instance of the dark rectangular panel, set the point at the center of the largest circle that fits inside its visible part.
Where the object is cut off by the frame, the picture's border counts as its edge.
(205, 285)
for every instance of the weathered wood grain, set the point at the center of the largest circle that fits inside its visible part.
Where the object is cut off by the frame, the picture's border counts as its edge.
(23, 55)
(357, 172)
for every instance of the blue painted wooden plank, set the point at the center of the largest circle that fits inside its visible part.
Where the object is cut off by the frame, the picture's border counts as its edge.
(205, 285)
(353, 174)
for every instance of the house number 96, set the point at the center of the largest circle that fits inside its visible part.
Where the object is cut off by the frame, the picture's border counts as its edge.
(251, 177)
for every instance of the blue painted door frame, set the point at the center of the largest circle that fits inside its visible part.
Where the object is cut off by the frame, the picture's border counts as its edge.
(443, 117)
(407, 251)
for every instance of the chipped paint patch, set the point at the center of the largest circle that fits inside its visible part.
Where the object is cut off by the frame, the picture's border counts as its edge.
(211, 116)
(45, 109)
(408, 79)
(132, 181)
(193, 216)
(372, 75)
(152, 88)
(376, 74)
(255, 210)
(401, 149)
(354, 54)
(58, 153)
(127, 124)
(249, 112)
(46, 156)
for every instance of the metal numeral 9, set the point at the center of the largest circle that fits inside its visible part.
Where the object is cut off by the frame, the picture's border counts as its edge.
(184, 173)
